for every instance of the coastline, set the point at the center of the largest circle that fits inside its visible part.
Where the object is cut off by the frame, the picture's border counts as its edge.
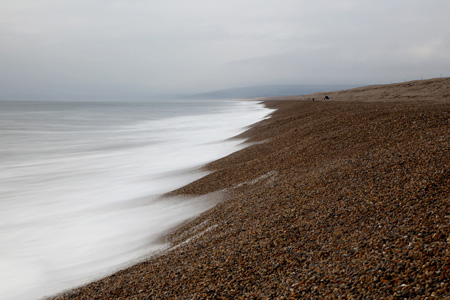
(348, 198)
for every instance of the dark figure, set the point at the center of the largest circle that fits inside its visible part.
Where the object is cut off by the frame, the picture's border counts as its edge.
(313, 99)
(326, 98)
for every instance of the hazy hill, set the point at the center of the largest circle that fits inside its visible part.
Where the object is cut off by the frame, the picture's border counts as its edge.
(268, 91)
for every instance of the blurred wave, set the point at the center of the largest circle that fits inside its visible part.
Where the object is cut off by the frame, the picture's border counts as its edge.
(80, 183)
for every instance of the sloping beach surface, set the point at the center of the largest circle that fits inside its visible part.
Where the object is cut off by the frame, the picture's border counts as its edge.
(344, 198)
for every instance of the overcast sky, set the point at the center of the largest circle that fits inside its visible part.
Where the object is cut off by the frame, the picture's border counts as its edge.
(132, 48)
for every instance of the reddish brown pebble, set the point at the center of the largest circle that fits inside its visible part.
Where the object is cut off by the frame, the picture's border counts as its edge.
(347, 198)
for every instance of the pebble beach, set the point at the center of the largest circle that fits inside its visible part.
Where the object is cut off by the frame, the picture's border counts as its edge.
(346, 198)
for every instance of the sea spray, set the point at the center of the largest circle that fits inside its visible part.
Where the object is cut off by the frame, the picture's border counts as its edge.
(81, 183)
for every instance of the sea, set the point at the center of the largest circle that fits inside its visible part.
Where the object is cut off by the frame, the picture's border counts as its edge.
(81, 183)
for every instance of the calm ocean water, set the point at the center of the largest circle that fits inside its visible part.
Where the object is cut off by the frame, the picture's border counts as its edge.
(80, 183)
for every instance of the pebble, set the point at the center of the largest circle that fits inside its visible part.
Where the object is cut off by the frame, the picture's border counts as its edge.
(352, 201)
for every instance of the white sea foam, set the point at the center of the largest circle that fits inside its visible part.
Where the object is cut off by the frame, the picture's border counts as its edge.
(79, 202)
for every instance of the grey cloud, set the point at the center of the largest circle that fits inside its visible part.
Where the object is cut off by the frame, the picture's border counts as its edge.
(134, 48)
